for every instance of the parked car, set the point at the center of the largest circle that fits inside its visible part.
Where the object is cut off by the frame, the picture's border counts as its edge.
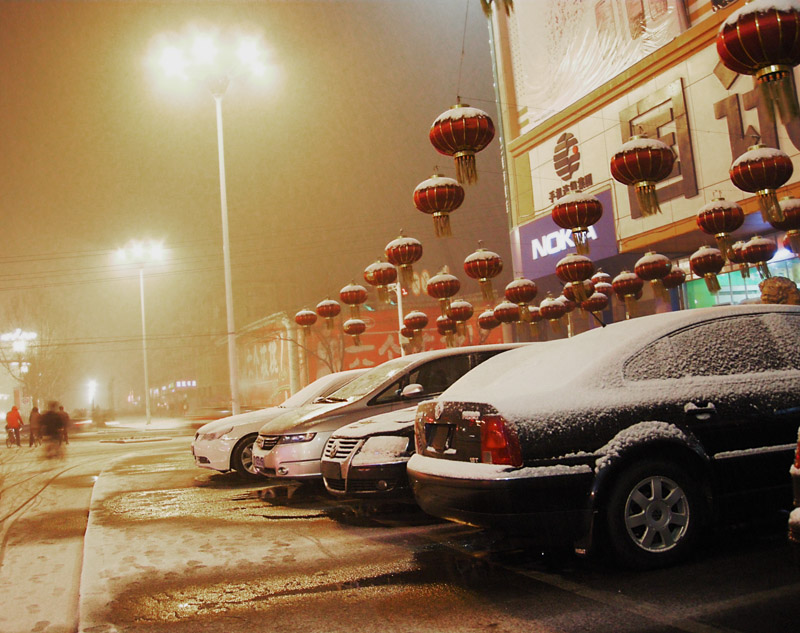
(291, 445)
(642, 431)
(227, 444)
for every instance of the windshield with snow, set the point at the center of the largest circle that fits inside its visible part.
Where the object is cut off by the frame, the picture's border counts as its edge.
(367, 382)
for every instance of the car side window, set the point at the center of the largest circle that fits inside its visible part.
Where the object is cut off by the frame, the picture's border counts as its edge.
(740, 345)
(434, 376)
(654, 362)
(786, 331)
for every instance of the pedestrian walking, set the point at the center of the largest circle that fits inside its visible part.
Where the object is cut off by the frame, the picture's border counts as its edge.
(52, 423)
(65, 422)
(14, 423)
(35, 437)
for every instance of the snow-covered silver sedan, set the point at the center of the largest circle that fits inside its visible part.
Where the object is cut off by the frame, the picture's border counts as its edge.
(641, 432)
(227, 444)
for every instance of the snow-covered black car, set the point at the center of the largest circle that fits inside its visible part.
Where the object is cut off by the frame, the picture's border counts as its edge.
(642, 432)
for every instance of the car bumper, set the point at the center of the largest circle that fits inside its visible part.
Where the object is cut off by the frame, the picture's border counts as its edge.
(214, 455)
(383, 480)
(549, 504)
(292, 461)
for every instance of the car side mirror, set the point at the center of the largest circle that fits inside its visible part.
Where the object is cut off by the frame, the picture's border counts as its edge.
(412, 390)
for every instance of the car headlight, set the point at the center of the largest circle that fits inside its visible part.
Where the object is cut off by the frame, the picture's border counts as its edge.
(294, 438)
(216, 435)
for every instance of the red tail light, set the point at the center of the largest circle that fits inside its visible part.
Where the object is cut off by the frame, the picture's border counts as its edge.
(797, 453)
(499, 444)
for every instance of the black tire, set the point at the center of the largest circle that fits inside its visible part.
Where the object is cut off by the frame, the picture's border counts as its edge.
(242, 457)
(654, 516)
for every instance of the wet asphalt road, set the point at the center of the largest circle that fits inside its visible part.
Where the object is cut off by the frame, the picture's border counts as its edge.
(170, 547)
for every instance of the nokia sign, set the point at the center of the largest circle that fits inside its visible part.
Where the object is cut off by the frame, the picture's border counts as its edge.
(543, 242)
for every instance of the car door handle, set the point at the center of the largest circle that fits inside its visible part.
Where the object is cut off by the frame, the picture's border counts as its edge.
(701, 413)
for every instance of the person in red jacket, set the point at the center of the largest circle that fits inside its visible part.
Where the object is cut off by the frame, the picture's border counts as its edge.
(14, 423)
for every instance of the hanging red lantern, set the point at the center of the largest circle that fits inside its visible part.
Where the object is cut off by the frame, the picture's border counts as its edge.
(707, 262)
(577, 212)
(573, 270)
(596, 302)
(736, 256)
(487, 320)
(674, 278)
(407, 332)
(354, 328)
(552, 309)
(484, 265)
(415, 321)
(380, 274)
(305, 319)
(600, 277)
(641, 163)
(506, 312)
(439, 196)
(653, 267)
(403, 253)
(762, 170)
(604, 287)
(569, 291)
(461, 311)
(627, 286)
(353, 295)
(442, 287)
(328, 310)
(758, 251)
(569, 304)
(521, 291)
(461, 132)
(720, 218)
(763, 39)
(447, 328)
(791, 223)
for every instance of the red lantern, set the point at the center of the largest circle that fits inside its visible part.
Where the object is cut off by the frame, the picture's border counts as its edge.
(522, 291)
(763, 39)
(487, 320)
(569, 291)
(574, 269)
(415, 321)
(569, 304)
(552, 309)
(328, 310)
(484, 265)
(674, 278)
(353, 295)
(442, 287)
(354, 328)
(653, 267)
(305, 319)
(720, 218)
(439, 196)
(461, 311)
(461, 132)
(641, 163)
(407, 332)
(707, 262)
(758, 251)
(403, 253)
(506, 312)
(628, 287)
(446, 327)
(736, 256)
(601, 277)
(597, 302)
(791, 223)
(577, 212)
(604, 287)
(380, 274)
(762, 170)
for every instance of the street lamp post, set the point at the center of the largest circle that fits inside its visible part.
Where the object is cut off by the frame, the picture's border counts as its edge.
(19, 344)
(202, 60)
(141, 254)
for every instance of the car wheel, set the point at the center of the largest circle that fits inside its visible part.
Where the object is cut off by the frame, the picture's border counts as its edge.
(242, 457)
(654, 516)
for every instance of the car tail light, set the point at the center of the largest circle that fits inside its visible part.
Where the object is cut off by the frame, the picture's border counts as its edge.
(797, 453)
(499, 444)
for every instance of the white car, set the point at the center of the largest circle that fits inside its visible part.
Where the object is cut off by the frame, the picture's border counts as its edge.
(291, 445)
(227, 444)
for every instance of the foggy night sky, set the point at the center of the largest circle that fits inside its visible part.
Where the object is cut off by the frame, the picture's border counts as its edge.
(98, 149)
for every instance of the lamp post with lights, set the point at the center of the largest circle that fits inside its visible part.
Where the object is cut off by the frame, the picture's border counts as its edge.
(140, 254)
(19, 340)
(201, 59)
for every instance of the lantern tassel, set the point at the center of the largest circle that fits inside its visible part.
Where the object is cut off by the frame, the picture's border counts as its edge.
(356, 340)
(659, 290)
(536, 333)
(648, 200)
(486, 290)
(770, 209)
(778, 88)
(744, 271)
(712, 283)
(763, 270)
(406, 275)
(724, 244)
(355, 313)
(555, 325)
(579, 290)
(524, 313)
(630, 306)
(466, 171)
(581, 238)
(383, 294)
(450, 340)
(329, 323)
(441, 224)
(444, 304)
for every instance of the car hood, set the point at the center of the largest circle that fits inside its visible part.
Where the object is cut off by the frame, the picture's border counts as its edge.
(262, 416)
(399, 422)
(305, 417)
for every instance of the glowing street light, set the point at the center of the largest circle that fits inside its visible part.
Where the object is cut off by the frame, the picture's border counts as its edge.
(140, 254)
(91, 391)
(202, 58)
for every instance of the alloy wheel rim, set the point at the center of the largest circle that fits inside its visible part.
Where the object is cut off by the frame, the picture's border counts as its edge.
(247, 459)
(656, 514)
